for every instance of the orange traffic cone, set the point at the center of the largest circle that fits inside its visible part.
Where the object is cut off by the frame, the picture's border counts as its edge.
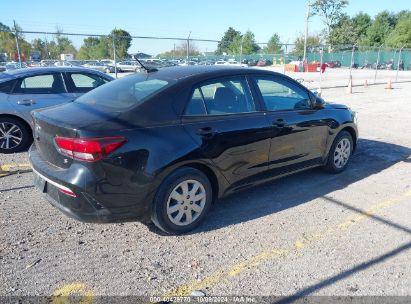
(366, 83)
(389, 85)
(349, 89)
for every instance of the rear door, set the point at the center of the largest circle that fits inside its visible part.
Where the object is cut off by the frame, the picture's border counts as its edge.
(39, 91)
(82, 82)
(299, 134)
(224, 120)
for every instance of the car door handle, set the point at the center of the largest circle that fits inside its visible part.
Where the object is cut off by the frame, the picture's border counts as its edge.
(279, 123)
(26, 102)
(206, 132)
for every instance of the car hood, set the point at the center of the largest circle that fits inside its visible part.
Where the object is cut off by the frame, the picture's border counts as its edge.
(336, 106)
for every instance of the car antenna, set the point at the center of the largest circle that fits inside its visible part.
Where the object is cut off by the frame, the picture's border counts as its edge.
(148, 70)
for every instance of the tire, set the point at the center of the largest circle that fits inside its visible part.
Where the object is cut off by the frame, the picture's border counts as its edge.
(340, 155)
(167, 208)
(20, 138)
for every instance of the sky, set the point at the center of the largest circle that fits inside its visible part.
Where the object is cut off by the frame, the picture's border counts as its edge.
(176, 18)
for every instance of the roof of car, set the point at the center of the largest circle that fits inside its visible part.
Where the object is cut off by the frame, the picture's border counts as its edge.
(180, 72)
(32, 71)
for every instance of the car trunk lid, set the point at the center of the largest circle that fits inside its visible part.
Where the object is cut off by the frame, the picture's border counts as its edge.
(72, 121)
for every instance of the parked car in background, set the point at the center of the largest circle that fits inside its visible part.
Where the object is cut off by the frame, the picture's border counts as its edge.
(263, 62)
(48, 62)
(99, 66)
(128, 66)
(24, 90)
(107, 61)
(10, 66)
(162, 146)
(64, 63)
(334, 64)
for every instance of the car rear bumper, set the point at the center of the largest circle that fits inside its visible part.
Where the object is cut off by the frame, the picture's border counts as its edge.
(81, 205)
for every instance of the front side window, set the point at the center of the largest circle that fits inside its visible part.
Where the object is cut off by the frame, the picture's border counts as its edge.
(281, 95)
(220, 97)
(86, 82)
(41, 84)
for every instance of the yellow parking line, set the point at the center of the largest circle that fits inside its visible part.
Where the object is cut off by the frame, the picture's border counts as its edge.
(63, 294)
(8, 167)
(218, 276)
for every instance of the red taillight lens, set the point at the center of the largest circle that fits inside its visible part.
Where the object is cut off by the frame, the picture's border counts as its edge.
(88, 149)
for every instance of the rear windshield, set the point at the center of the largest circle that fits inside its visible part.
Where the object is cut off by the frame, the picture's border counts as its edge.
(124, 93)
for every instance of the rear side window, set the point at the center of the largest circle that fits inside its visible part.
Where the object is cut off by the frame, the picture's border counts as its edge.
(125, 93)
(220, 97)
(86, 82)
(6, 87)
(41, 84)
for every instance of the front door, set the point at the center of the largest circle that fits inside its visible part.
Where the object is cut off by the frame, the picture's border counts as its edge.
(299, 135)
(223, 119)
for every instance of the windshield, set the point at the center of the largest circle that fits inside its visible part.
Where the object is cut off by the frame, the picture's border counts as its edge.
(124, 93)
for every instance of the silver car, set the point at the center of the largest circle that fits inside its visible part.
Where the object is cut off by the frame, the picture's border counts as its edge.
(24, 90)
(128, 66)
(99, 66)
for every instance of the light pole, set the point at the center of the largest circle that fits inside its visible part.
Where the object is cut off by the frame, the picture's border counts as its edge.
(306, 31)
(241, 48)
(378, 62)
(17, 43)
(321, 73)
(352, 60)
(398, 64)
(114, 54)
(188, 46)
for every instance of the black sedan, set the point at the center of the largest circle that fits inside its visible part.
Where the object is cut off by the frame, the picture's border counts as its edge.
(163, 146)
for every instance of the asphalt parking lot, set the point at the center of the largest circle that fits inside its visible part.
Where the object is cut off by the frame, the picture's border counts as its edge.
(308, 234)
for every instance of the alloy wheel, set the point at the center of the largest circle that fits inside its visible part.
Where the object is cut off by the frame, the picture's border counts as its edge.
(10, 135)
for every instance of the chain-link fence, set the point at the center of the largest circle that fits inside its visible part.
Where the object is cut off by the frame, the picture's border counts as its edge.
(119, 48)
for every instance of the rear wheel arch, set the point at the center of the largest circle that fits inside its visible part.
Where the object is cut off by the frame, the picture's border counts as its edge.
(19, 119)
(160, 215)
(209, 173)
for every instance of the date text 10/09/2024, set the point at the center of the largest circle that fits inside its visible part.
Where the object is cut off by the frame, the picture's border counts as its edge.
(204, 299)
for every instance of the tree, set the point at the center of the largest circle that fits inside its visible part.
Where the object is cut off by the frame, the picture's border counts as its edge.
(273, 45)
(4, 28)
(379, 30)
(343, 33)
(329, 10)
(94, 48)
(181, 51)
(60, 45)
(312, 42)
(229, 37)
(40, 45)
(401, 35)
(361, 23)
(122, 40)
(8, 42)
(249, 44)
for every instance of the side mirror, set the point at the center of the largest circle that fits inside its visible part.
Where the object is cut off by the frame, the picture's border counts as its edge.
(316, 101)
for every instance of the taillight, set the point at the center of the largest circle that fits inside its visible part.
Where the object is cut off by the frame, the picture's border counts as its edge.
(88, 149)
